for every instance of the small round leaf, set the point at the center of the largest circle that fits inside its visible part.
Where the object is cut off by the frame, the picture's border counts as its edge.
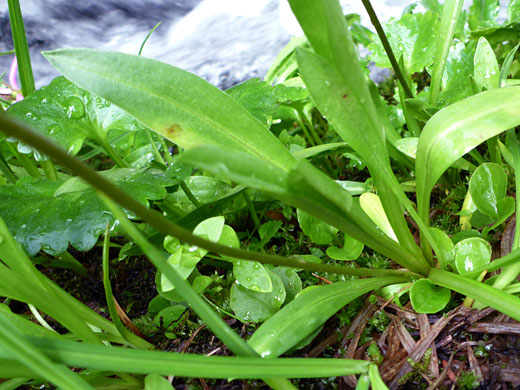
(471, 253)
(427, 297)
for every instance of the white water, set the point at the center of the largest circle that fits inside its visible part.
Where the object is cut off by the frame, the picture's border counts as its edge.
(224, 41)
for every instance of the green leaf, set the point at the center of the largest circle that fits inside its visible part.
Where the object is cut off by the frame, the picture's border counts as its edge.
(257, 97)
(117, 359)
(40, 219)
(456, 130)
(291, 281)
(17, 346)
(253, 306)
(471, 253)
(205, 189)
(351, 250)
(169, 318)
(185, 257)
(156, 382)
(513, 11)
(237, 166)
(413, 37)
(446, 246)
(372, 206)
(487, 186)
(308, 312)
(69, 115)
(318, 231)
(483, 14)
(426, 297)
(487, 295)
(486, 70)
(252, 276)
(459, 68)
(168, 100)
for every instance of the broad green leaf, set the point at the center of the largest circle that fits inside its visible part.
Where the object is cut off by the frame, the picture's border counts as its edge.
(483, 14)
(372, 206)
(351, 250)
(394, 291)
(185, 257)
(252, 276)
(407, 146)
(200, 283)
(426, 297)
(252, 306)
(308, 312)
(39, 219)
(413, 37)
(156, 382)
(471, 253)
(376, 382)
(506, 65)
(318, 231)
(169, 318)
(481, 292)
(487, 186)
(486, 70)
(168, 100)
(513, 11)
(266, 232)
(456, 83)
(290, 280)
(456, 130)
(257, 97)
(446, 246)
(69, 115)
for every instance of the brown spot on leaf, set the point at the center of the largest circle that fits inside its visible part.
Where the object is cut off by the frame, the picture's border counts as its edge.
(172, 131)
(344, 96)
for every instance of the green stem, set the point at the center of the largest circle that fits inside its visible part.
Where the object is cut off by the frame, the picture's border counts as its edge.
(510, 273)
(189, 194)
(73, 263)
(158, 156)
(49, 169)
(450, 14)
(388, 49)
(26, 162)
(234, 342)
(166, 152)
(112, 153)
(156, 219)
(21, 47)
(6, 170)
(252, 210)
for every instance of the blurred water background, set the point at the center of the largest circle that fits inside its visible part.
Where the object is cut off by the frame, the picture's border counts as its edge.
(223, 41)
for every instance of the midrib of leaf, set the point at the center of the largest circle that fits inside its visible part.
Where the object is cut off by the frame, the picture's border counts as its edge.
(182, 107)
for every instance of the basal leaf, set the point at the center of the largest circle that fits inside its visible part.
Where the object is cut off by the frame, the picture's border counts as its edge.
(446, 246)
(459, 67)
(290, 280)
(257, 97)
(252, 276)
(41, 220)
(456, 130)
(413, 37)
(513, 11)
(486, 70)
(351, 250)
(318, 231)
(253, 306)
(205, 189)
(69, 115)
(483, 14)
(471, 253)
(308, 312)
(372, 206)
(169, 101)
(487, 186)
(426, 297)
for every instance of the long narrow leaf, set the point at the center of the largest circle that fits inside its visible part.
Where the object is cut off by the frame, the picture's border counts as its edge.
(456, 130)
(16, 346)
(308, 312)
(176, 104)
(199, 366)
(481, 292)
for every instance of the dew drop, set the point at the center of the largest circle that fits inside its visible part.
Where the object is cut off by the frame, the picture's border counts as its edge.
(75, 108)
